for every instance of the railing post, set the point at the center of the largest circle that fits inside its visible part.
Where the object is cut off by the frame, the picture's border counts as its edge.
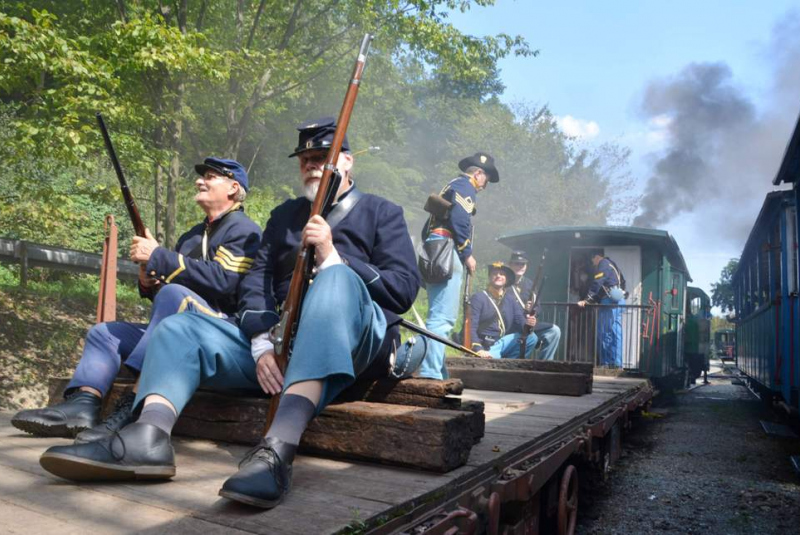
(23, 264)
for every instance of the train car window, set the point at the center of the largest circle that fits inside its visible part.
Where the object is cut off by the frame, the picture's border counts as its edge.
(676, 292)
(695, 306)
(775, 260)
(791, 251)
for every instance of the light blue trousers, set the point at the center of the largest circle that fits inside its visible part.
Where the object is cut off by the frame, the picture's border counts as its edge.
(609, 333)
(550, 338)
(339, 335)
(443, 302)
(111, 343)
(508, 346)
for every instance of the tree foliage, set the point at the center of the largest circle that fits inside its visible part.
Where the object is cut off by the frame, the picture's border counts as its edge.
(722, 292)
(182, 80)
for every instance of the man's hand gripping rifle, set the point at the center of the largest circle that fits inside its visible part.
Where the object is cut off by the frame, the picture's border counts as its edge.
(538, 284)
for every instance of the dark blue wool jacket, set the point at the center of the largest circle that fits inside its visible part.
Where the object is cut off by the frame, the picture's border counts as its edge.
(372, 239)
(486, 326)
(461, 193)
(604, 278)
(231, 247)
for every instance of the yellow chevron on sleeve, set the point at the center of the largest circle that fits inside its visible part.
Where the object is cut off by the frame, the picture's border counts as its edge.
(463, 246)
(189, 300)
(223, 252)
(181, 268)
(599, 275)
(466, 203)
(231, 266)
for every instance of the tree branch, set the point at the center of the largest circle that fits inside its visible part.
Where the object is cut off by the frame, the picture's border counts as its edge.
(123, 16)
(253, 27)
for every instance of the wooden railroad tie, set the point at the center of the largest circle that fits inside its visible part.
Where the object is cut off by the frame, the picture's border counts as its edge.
(414, 423)
(526, 376)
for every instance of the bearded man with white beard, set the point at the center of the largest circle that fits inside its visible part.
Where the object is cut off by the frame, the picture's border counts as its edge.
(366, 276)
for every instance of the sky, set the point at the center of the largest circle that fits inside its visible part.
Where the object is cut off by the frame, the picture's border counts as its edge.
(705, 93)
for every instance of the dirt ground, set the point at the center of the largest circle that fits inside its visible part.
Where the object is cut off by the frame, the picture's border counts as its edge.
(700, 464)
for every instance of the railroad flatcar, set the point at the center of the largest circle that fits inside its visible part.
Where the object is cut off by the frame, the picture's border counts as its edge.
(653, 318)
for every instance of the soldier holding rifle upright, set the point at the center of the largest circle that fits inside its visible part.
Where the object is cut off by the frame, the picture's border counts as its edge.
(443, 295)
(497, 318)
(201, 275)
(366, 276)
(524, 294)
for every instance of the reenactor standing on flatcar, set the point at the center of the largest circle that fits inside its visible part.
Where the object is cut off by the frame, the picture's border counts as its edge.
(200, 275)
(549, 334)
(444, 296)
(607, 288)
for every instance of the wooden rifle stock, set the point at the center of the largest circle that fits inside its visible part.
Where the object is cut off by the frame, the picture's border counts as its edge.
(286, 328)
(538, 283)
(130, 204)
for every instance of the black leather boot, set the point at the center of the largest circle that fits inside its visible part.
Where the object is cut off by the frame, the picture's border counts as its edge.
(138, 451)
(81, 410)
(264, 476)
(122, 416)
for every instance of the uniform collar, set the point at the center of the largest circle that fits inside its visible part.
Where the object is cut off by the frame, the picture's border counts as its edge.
(237, 206)
(495, 294)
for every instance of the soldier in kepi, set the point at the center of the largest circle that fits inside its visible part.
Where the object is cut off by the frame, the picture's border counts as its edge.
(497, 318)
(607, 288)
(366, 276)
(201, 275)
(548, 334)
(444, 295)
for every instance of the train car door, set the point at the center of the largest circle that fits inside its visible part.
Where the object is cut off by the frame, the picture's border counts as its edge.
(629, 260)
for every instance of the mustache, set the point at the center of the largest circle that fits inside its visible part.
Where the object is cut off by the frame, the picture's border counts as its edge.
(312, 174)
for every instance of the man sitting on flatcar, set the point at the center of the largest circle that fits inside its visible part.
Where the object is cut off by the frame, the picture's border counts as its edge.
(497, 318)
(366, 275)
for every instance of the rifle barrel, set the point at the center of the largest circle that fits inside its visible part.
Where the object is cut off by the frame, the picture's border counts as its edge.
(130, 203)
(433, 336)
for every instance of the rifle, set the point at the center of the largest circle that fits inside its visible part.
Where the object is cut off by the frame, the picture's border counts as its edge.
(466, 330)
(286, 328)
(130, 204)
(538, 283)
(433, 336)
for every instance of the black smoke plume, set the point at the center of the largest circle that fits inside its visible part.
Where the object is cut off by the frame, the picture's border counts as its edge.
(722, 150)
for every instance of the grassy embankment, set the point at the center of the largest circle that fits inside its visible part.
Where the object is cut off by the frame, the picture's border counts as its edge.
(42, 329)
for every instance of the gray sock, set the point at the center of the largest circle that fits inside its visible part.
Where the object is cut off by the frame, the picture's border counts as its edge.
(294, 413)
(159, 415)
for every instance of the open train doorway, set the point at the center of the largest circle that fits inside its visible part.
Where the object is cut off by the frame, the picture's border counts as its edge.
(580, 338)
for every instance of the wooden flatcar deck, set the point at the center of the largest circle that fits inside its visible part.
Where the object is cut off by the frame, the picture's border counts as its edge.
(327, 495)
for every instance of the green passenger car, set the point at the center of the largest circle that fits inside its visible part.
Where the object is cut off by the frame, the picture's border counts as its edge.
(654, 315)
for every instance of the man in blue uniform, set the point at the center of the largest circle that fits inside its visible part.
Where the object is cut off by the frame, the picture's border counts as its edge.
(366, 275)
(548, 334)
(201, 275)
(607, 288)
(444, 297)
(497, 318)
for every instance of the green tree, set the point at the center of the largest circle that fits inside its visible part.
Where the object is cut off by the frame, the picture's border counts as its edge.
(722, 294)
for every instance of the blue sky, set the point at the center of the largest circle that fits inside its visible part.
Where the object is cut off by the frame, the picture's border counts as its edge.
(597, 57)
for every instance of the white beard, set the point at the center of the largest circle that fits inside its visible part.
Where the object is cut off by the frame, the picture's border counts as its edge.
(310, 190)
